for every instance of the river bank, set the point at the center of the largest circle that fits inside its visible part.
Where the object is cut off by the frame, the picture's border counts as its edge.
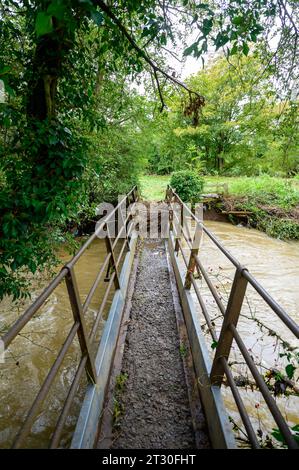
(275, 221)
(266, 203)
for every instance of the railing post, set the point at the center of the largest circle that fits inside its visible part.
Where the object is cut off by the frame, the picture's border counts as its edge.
(171, 220)
(112, 259)
(168, 195)
(76, 306)
(231, 316)
(136, 194)
(125, 227)
(191, 267)
(193, 253)
(180, 227)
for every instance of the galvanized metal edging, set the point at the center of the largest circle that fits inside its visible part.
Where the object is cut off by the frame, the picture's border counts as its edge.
(220, 432)
(87, 425)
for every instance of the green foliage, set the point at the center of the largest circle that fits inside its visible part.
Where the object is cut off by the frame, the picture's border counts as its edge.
(279, 437)
(187, 184)
(266, 190)
(120, 381)
(243, 128)
(183, 350)
(285, 229)
(272, 203)
(73, 132)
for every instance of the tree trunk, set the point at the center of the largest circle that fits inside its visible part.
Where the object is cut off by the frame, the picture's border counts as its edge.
(45, 72)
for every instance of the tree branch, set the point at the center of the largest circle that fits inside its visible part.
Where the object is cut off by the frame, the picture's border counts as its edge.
(284, 7)
(159, 91)
(106, 9)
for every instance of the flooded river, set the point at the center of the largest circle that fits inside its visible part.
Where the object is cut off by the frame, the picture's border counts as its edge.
(274, 263)
(33, 352)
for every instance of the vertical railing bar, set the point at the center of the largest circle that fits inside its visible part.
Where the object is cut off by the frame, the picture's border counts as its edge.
(67, 404)
(264, 390)
(82, 331)
(198, 295)
(176, 232)
(124, 227)
(210, 285)
(192, 261)
(100, 311)
(232, 313)
(95, 284)
(113, 262)
(43, 391)
(122, 249)
(241, 407)
(204, 311)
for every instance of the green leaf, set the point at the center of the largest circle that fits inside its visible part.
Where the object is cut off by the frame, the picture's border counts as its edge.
(295, 428)
(234, 49)
(163, 39)
(277, 435)
(221, 40)
(195, 18)
(214, 344)
(245, 48)
(290, 369)
(43, 24)
(207, 25)
(97, 17)
(237, 20)
(189, 50)
(57, 9)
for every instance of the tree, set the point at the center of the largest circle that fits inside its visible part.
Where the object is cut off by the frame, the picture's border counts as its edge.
(242, 129)
(53, 57)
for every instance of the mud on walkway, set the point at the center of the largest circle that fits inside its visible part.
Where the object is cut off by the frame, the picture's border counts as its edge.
(153, 399)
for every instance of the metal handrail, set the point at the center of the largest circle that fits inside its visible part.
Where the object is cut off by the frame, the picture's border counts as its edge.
(87, 361)
(231, 313)
(289, 322)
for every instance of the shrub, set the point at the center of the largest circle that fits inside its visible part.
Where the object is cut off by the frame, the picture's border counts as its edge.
(187, 184)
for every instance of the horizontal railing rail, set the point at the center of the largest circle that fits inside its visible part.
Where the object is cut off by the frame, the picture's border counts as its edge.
(230, 312)
(111, 266)
(220, 188)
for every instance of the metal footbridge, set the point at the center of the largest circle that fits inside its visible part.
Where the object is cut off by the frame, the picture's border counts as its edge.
(97, 352)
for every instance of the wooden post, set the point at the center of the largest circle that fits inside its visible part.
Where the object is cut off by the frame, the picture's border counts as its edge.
(231, 316)
(193, 253)
(112, 259)
(76, 306)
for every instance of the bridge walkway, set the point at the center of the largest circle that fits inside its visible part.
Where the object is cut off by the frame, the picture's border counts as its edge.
(153, 404)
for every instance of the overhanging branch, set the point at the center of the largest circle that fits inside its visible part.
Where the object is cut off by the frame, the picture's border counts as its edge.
(106, 9)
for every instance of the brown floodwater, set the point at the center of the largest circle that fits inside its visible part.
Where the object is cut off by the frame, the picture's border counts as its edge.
(275, 264)
(32, 353)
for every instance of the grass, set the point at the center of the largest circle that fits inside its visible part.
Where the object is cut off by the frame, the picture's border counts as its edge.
(153, 187)
(183, 350)
(263, 189)
(260, 195)
(118, 407)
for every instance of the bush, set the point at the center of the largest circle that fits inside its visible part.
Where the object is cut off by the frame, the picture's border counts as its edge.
(187, 184)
